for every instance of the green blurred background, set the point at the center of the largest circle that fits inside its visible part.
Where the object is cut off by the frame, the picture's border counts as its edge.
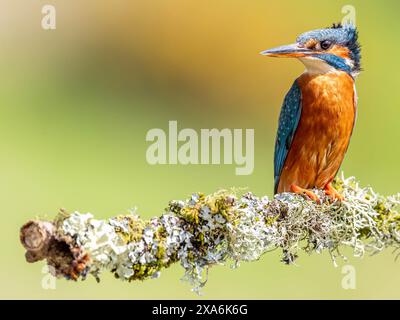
(76, 103)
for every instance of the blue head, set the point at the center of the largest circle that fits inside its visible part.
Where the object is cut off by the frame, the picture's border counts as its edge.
(322, 50)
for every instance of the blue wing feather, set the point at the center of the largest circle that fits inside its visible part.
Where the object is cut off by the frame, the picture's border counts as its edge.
(288, 120)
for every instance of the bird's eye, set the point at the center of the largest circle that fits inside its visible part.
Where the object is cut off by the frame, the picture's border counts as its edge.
(325, 44)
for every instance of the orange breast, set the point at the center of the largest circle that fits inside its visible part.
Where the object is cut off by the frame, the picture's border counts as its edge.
(323, 133)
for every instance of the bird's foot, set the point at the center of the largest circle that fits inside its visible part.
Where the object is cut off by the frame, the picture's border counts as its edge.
(332, 193)
(309, 193)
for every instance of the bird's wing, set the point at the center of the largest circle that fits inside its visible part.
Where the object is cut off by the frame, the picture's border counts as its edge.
(288, 121)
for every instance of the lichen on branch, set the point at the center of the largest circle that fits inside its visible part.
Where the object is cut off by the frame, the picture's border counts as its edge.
(219, 228)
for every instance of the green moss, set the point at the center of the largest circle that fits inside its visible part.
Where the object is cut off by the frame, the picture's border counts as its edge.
(222, 202)
(135, 228)
(190, 214)
(386, 218)
(60, 217)
(364, 233)
(270, 220)
(162, 258)
(142, 271)
(160, 255)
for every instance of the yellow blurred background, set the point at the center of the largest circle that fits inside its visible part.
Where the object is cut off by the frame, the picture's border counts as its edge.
(76, 103)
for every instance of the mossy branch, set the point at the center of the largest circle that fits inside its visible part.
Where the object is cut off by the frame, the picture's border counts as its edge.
(206, 230)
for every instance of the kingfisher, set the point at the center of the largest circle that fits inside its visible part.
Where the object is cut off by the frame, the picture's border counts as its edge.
(319, 111)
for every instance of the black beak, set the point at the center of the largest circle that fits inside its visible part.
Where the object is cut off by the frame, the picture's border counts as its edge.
(291, 51)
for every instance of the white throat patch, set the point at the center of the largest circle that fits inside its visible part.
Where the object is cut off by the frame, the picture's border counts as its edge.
(316, 66)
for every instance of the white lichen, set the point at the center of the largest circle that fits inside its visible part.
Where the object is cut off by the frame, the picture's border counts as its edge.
(219, 228)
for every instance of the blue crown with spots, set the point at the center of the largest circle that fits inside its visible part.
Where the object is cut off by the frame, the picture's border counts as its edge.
(343, 35)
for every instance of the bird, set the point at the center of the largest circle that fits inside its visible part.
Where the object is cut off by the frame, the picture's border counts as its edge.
(318, 114)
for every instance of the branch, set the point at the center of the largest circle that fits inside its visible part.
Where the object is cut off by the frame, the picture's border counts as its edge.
(206, 230)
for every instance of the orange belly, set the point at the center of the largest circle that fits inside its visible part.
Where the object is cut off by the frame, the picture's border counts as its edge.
(323, 133)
